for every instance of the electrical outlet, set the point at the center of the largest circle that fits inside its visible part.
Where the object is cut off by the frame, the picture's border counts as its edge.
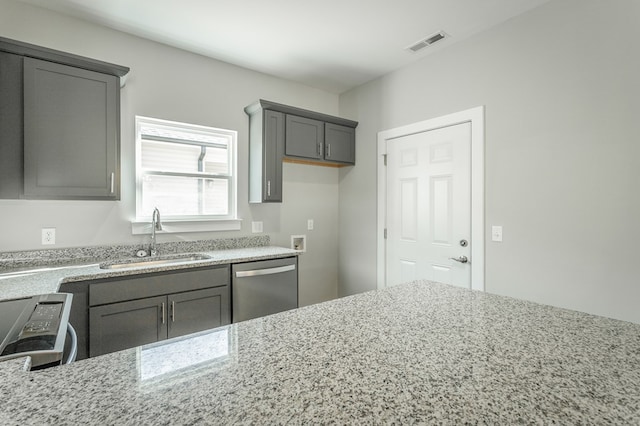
(256, 227)
(496, 233)
(48, 236)
(310, 225)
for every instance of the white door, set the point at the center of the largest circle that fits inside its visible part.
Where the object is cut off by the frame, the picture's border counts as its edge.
(428, 206)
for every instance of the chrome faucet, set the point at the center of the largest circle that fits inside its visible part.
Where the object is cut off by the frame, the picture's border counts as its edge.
(156, 225)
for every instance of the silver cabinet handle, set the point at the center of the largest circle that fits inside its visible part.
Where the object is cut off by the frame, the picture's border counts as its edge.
(328, 150)
(173, 311)
(461, 259)
(268, 271)
(162, 312)
(268, 188)
(113, 182)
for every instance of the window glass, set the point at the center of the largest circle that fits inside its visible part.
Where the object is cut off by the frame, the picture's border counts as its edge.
(184, 170)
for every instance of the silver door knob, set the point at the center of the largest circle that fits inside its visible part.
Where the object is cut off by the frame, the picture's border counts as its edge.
(461, 259)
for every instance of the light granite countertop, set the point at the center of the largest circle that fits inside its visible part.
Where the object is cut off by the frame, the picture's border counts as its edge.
(415, 353)
(47, 279)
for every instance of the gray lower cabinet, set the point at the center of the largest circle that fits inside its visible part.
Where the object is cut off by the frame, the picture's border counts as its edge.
(116, 313)
(79, 316)
(126, 325)
(199, 310)
(123, 325)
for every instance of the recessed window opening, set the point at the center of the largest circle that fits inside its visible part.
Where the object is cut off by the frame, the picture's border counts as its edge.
(185, 170)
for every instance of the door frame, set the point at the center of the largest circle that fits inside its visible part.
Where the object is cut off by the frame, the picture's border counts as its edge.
(475, 116)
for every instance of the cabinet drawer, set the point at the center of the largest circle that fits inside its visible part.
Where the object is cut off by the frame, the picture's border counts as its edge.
(113, 290)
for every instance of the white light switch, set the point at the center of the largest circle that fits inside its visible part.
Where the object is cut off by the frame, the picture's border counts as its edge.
(310, 224)
(256, 227)
(496, 233)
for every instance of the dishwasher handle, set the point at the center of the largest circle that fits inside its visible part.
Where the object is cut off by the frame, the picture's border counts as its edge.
(268, 271)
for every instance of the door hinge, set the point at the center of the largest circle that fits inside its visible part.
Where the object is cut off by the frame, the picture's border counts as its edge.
(384, 157)
(385, 233)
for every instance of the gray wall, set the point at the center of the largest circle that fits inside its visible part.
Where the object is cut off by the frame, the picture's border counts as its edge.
(561, 88)
(172, 84)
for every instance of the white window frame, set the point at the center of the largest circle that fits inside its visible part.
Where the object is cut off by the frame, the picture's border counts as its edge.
(193, 223)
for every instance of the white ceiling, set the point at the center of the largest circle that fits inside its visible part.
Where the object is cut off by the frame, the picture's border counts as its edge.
(333, 45)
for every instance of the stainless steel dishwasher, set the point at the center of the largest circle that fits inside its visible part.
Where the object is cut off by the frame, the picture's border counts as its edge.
(263, 288)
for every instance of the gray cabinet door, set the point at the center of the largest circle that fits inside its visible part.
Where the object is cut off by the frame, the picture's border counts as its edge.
(194, 311)
(127, 324)
(304, 137)
(340, 143)
(71, 137)
(11, 158)
(273, 151)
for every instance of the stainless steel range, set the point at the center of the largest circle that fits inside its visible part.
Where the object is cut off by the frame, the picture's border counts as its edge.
(37, 327)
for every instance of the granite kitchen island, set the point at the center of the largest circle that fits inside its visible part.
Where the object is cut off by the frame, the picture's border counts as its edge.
(416, 353)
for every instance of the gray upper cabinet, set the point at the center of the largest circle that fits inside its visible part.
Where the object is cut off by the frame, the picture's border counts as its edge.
(339, 143)
(266, 150)
(59, 124)
(280, 133)
(11, 133)
(304, 137)
(71, 147)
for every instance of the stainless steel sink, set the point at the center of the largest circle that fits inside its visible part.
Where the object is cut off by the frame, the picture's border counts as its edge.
(155, 261)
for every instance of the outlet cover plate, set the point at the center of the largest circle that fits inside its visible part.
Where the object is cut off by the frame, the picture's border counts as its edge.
(256, 227)
(496, 233)
(48, 236)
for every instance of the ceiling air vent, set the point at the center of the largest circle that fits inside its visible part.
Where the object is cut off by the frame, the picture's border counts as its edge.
(419, 45)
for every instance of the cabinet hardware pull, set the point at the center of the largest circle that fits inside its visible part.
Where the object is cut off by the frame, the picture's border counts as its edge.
(173, 311)
(268, 188)
(162, 312)
(113, 178)
(328, 150)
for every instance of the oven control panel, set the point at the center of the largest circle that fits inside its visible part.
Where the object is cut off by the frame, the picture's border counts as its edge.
(35, 326)
(39, 332)
(44, 319)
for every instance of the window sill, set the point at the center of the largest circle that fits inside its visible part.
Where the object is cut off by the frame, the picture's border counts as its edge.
(180, 226)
